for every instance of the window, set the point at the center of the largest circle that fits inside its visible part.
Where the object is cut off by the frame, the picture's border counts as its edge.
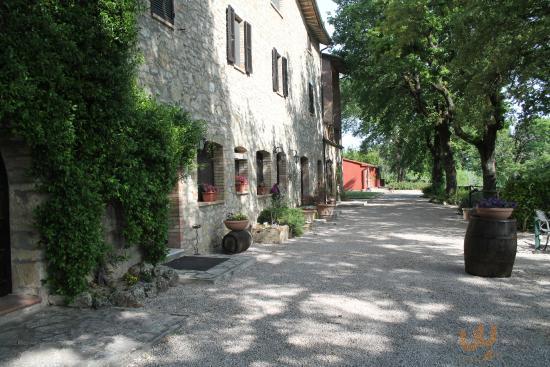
(279, 73)
(277, 4)
(263, 172)
(163, 10)
(239, 41)
(308, 43)
(311, 99)
(210, 176)
(241, 170)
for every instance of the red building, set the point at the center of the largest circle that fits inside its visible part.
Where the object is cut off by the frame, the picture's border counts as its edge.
(360, 176)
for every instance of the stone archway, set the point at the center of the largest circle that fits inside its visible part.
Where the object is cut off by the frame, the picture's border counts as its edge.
(5, 247)
(26, 256)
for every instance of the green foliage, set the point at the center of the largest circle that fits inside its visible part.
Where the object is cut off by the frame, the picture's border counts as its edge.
(236, 216)
(351, 195)
(280, 213)
(68, 89)
(407, 185)
(530, 189)
(130, 279)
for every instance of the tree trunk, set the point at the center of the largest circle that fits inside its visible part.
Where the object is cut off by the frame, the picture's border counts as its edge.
(486, 149)
(444, 133)
(437, 168)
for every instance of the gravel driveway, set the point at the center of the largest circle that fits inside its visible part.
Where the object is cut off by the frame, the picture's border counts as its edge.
(383, 285)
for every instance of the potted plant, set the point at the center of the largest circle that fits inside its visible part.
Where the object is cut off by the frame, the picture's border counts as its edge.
(262, 189)
(324, 210)
(236, 221)
(495, 208)
(241, 184)
(209, 192)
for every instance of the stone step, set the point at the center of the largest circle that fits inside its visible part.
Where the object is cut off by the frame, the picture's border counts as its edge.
(218, 273)
(14, 306)
(173, 254)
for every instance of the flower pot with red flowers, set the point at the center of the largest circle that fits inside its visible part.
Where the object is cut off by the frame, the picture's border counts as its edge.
(209, 192)
(241, 184)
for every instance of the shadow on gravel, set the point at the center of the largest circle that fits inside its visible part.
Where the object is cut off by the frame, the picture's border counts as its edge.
(383, 285)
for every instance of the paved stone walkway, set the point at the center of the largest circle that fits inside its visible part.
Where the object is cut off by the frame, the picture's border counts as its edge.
(383, 285)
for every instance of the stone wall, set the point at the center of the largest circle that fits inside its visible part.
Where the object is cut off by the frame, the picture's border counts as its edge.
(186, 65)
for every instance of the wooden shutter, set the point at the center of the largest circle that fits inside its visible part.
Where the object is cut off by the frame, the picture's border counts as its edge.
(275, 70)
(247, 48)
(285, 76)
(163, 9)
(230, 16)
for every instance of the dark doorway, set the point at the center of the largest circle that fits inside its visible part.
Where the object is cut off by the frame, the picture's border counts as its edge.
(5, 255)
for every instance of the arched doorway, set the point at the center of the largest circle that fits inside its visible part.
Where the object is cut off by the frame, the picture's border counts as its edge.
(5, 248)
(304, 180)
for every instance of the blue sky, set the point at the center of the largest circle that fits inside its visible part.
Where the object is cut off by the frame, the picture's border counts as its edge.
(329, 7)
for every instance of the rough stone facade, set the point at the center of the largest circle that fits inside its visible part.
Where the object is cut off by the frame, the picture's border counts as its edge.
(186, 65)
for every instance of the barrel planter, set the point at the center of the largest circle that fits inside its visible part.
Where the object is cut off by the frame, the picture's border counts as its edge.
(490, 247)
(236, 241)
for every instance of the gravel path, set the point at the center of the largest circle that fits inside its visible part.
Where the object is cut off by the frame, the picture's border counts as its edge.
(384, 285)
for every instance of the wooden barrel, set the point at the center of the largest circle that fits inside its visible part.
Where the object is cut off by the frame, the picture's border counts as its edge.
(236, 241)
(490, 247)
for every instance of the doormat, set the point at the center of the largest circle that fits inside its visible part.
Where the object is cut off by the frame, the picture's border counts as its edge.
(196, 263)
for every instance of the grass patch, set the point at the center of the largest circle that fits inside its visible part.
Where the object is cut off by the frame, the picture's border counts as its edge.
(353, 195)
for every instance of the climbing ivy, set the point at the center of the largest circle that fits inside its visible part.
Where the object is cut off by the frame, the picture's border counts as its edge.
(68, 90)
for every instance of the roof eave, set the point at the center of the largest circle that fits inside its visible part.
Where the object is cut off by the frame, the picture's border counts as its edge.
(314, 22)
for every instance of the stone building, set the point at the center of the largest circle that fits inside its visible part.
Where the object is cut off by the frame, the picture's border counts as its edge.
(254, 72)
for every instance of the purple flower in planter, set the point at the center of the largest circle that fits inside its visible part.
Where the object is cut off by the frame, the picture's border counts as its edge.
(494, 202)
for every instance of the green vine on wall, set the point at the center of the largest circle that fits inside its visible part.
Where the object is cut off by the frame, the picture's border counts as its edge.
(68, 89)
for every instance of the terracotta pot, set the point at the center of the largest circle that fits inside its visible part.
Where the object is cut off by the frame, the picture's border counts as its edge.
(241, 187)
(494, 213)
(466, 213)
(209, 196)
(236, 225)
(263, 191)
(325, 211)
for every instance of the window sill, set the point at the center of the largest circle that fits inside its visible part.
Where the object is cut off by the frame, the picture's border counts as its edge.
(211, 203)
(240, 69)
(265, 196)
(277, 10)
(242, 193)
(163, 21)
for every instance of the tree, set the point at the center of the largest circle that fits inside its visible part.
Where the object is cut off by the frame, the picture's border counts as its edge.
(501, 52)
(396, 62)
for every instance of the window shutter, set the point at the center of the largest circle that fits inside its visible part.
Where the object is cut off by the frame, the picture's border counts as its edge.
(285, 76)
(230, 15)
(247, 48)
(164, 9)
(275, 70)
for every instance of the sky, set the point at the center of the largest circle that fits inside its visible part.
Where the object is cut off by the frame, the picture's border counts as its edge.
(328, 7)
